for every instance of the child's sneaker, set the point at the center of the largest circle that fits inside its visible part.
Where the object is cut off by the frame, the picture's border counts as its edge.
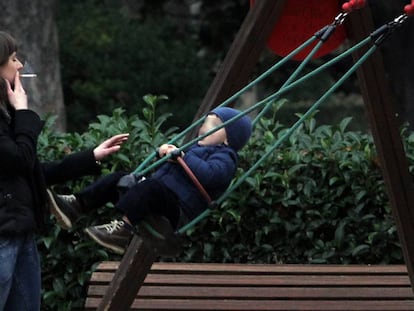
(65, 208)
(114, 236)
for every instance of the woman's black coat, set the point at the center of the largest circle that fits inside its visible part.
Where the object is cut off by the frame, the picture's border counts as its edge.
(23, 179)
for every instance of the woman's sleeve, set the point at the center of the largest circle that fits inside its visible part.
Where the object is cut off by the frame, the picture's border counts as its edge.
(18, 148)
(71, 167)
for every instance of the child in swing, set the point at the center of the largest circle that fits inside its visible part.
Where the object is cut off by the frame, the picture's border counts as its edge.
(169, 191)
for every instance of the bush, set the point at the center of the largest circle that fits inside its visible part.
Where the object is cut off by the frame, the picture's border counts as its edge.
(319, 198)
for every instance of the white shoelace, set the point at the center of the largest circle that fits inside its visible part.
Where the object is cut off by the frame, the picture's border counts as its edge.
(113, 226)
(68, 197)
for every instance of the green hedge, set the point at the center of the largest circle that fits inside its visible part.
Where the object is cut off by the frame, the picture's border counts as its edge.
(320, 198)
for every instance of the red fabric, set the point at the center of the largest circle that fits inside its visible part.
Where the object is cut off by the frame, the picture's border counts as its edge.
(409, 8)
(299, 21)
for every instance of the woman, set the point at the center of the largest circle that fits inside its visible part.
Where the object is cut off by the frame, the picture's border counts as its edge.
(23, 181)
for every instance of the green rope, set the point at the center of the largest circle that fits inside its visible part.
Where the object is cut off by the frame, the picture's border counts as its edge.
(323, 35)
(151, 230)
(270, 98)
(377, 38)
(291, 78)
(308, 113)
(229, 100)
(315, 106)
(250, 85)
(194, 221)
(286, 135)
(287, 86)
(191, 142)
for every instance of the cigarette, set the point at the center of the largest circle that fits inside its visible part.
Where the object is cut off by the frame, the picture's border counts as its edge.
(28, 75)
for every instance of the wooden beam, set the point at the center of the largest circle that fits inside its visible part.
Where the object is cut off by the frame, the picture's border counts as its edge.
(385, 130)
(236, 69)
(129, 277)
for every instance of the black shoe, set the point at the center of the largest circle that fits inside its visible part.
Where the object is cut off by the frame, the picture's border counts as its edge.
(114, 236)
(65, 208)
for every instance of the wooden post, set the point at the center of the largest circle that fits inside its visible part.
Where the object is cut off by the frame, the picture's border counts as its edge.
(129, 277)
(385, 130)
(236, 69)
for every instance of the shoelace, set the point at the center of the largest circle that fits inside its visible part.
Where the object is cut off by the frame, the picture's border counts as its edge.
(113, 226)
(70, 198)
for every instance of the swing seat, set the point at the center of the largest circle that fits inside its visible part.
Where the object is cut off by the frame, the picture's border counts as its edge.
(158, 233)
(156, 230)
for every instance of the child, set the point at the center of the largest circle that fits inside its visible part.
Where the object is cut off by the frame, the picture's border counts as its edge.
(169, 191)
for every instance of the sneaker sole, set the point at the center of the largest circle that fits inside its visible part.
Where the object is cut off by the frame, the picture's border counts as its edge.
(63, 221)
(117, 250)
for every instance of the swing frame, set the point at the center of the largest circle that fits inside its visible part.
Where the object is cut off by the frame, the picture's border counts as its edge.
(377, 98)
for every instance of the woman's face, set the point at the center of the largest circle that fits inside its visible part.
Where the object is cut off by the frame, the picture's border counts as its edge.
(218, 137)
(8, 71)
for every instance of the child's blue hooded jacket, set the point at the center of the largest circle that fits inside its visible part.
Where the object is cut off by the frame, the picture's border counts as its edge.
(214, 167)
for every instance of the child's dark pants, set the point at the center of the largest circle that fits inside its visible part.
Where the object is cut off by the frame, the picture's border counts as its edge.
(150, 196)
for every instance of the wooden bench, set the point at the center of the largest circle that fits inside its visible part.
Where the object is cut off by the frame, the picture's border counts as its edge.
(190, 286)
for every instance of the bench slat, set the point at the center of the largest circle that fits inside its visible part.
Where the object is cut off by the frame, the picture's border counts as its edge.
(175, 292)
(264, 280)
(188, 268)
(280, 305)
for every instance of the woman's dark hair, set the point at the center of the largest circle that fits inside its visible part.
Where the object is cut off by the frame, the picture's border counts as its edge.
(7, 47)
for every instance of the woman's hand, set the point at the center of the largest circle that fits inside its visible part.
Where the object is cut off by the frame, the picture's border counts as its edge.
(109, 146)
(17, 97)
